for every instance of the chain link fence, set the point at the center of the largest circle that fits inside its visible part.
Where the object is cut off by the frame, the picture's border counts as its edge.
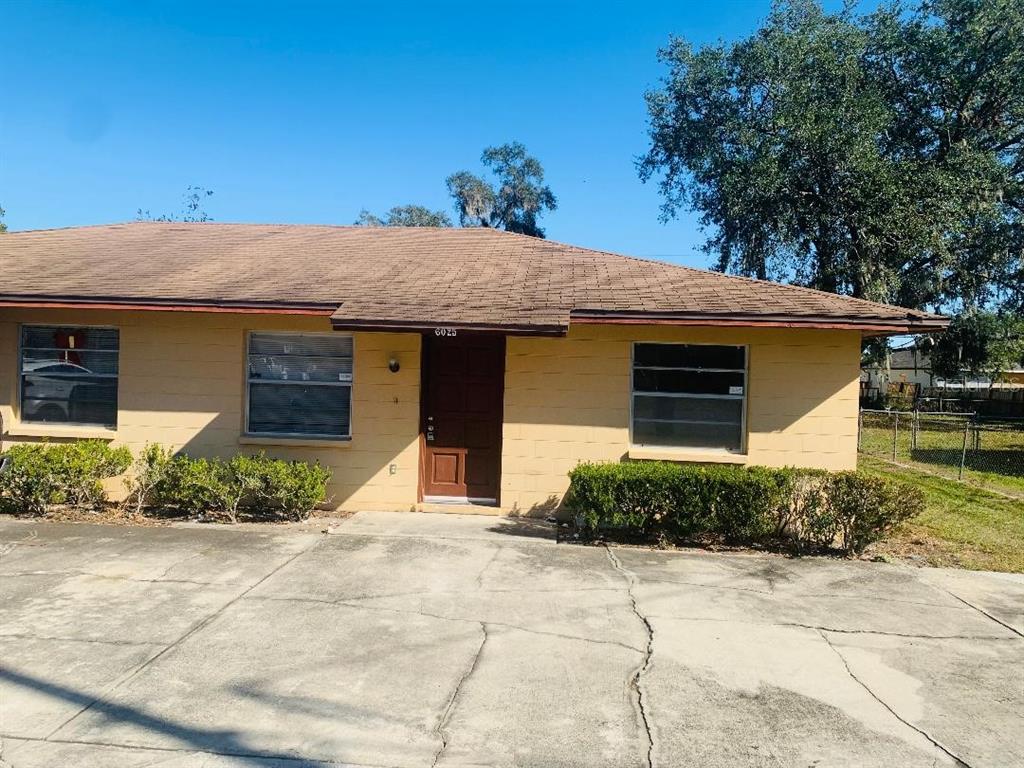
(984, 451)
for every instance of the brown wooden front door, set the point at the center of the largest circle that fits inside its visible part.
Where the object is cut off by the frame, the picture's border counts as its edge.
(463, 387)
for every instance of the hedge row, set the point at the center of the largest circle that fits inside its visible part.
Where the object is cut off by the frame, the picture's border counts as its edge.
(741, 505)
(41, 475)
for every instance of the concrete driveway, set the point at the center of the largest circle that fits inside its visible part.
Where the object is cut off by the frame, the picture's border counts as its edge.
(423, 640)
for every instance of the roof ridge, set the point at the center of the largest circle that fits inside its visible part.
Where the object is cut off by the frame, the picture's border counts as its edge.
(289, 224)
(73, 226)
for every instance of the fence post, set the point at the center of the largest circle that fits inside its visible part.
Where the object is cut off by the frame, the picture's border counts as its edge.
(963, 453)
(860, 428)
(895, 433)
(915, 426)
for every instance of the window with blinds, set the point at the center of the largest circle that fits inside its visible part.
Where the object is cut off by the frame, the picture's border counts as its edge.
(689, 395)
(299, 385)
(68, 375)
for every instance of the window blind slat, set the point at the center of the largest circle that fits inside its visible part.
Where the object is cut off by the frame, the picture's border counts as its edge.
(69, 374)
(299, 384)
(299, 345)
(304, 368)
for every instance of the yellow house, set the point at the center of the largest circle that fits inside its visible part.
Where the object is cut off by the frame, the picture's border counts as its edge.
(426, 367)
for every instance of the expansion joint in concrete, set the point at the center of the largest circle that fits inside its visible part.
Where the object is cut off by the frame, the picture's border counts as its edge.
(168, 648)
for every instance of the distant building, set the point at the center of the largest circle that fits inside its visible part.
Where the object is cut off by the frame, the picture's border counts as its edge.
(909, 368)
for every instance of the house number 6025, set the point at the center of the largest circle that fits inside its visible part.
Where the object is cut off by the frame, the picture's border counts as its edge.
(444, 331)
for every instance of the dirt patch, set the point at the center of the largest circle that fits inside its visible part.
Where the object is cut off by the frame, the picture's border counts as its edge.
(921, 550)
(109, 515)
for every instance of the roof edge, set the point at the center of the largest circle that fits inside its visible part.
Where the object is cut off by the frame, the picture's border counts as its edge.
(416, 326)
(166, 305)
(875, 326)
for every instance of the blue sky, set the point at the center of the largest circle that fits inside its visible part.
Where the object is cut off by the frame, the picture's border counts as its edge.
(306, 113)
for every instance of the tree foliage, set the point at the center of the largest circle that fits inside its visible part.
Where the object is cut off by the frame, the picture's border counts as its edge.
(3, 227)
(979, 344)
(192, 207)
(405, 216)
(879, 156)
(513, 201)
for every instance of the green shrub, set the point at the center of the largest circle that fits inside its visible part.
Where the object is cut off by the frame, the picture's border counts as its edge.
(40, 475)
(748, 502)
(290, 489)
(28, 485)
(189, 486)
(741, 505)
(257, 486)
(807, 519)
(148, 474)
(866, 507)
(644, 498)
(634, 497)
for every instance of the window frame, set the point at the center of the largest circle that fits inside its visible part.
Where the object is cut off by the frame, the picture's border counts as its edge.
(683, 449)
(247, 381)
(20, 373)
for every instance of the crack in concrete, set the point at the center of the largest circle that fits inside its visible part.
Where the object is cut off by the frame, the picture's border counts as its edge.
(503, 625)
(956, 758)
(772, 592)
(439, 729)
(195, 628)
(73, 574)
(877, 599)
(58, 639)
(480, 576)
(273, 758)
(708, 586)
(910, 635)
(520, 591)
(410, 611)
(640, 671)
(175, 564)
(985, 613)
(836, 630)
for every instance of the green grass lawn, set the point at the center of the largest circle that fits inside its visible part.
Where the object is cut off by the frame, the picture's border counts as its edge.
(994, 457)
(962, 526)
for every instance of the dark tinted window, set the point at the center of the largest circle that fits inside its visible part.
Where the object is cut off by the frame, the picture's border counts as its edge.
(300, 384)
(689, 356)
(689, 395)
(69, 374)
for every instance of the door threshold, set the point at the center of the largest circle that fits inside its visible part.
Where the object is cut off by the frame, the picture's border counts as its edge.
(460, 501)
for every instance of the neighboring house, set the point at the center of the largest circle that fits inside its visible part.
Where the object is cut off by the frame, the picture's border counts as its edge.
(906, 365)
(423, 366)
(910, 365)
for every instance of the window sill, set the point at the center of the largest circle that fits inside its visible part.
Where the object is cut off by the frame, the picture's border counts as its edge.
(686, 454)
(298, 442)
(82, 432)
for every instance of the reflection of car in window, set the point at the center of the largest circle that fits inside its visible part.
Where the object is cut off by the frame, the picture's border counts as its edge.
(55, 390)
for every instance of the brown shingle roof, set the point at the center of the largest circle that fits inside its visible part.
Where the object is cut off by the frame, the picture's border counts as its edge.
(406, 277)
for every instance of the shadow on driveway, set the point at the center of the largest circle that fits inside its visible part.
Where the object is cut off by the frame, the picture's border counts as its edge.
(222, 742)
